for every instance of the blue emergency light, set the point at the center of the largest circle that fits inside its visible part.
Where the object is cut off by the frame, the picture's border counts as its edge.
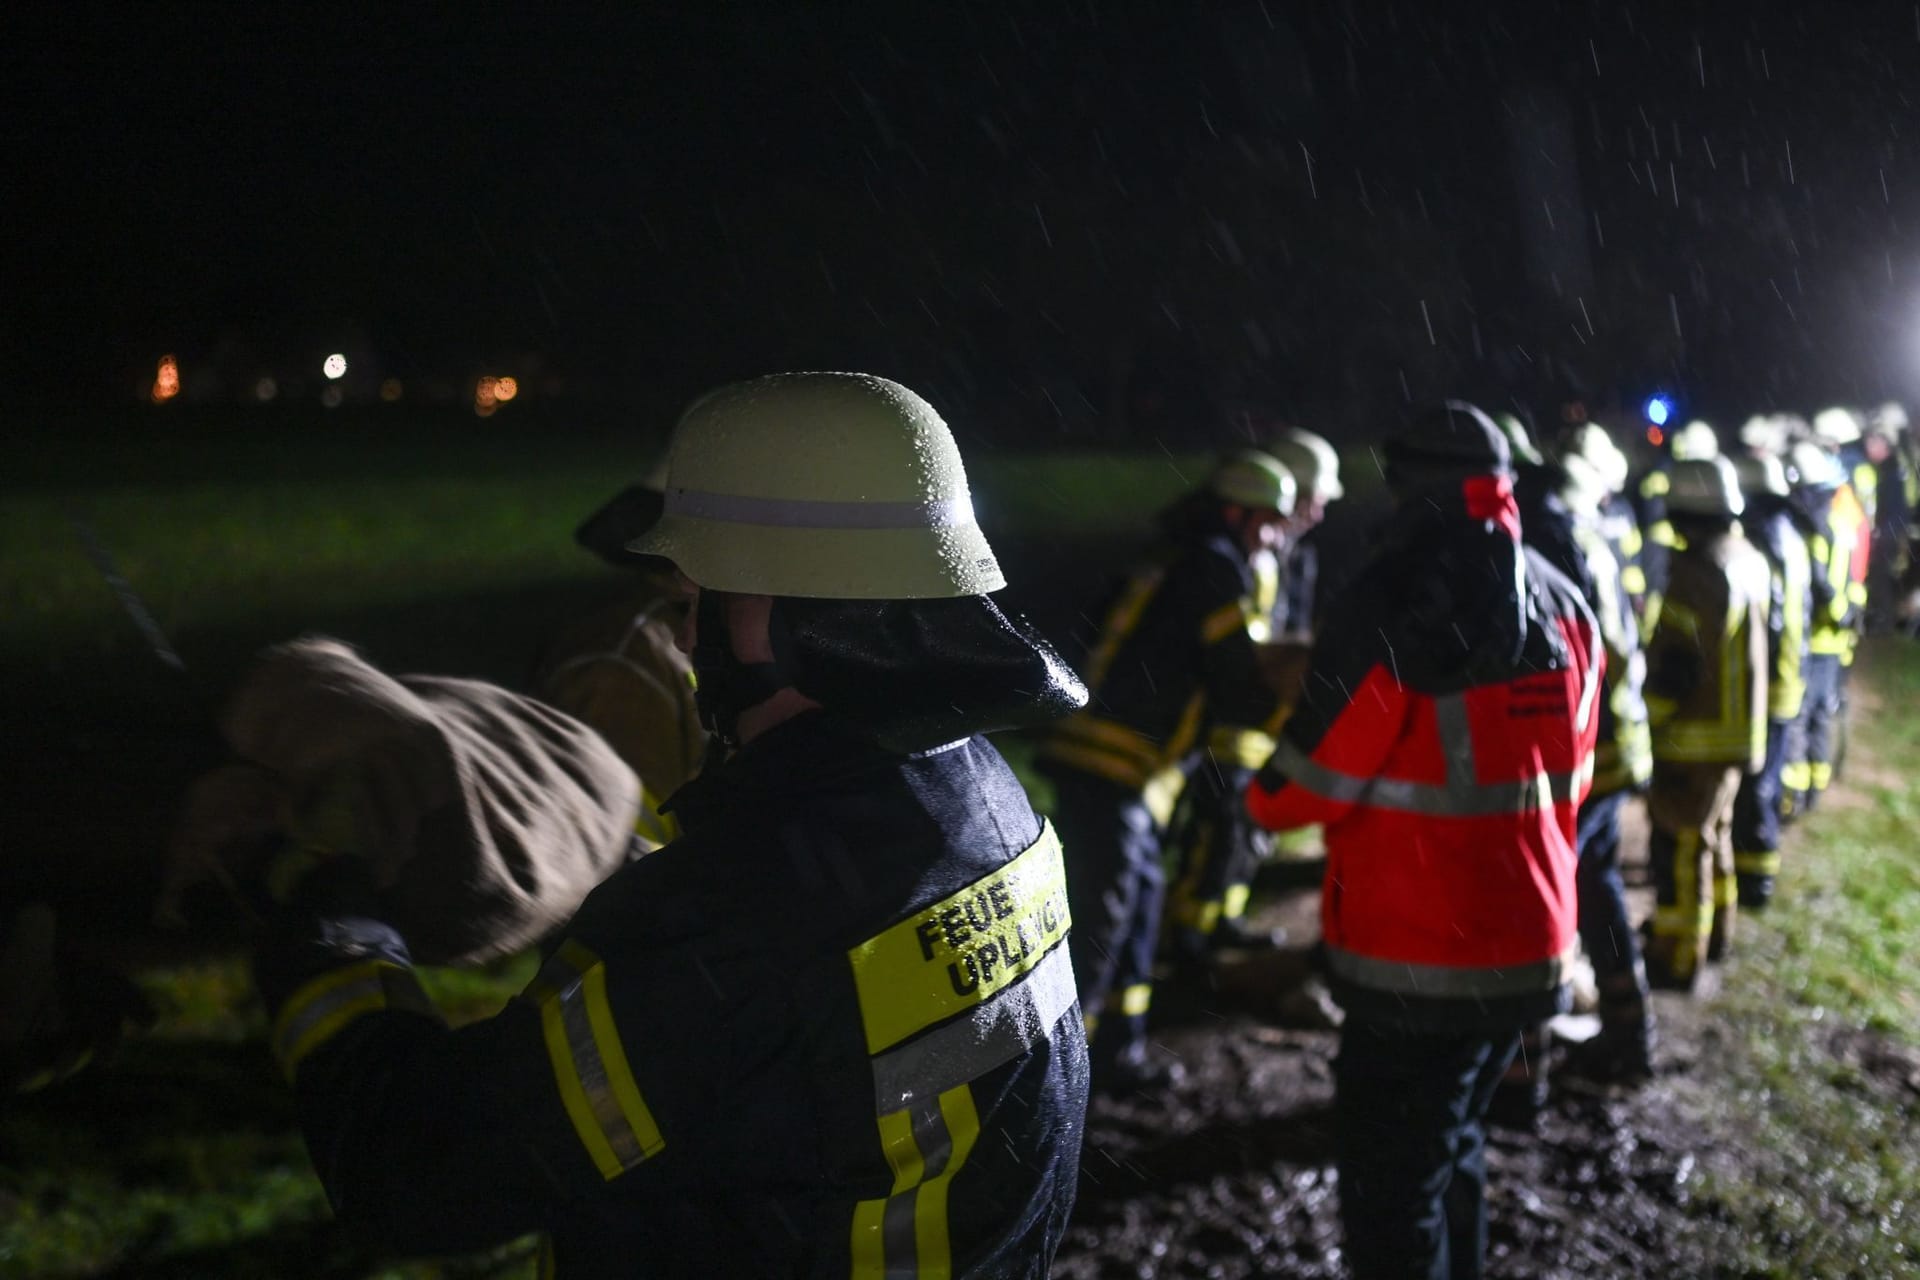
(1659, 409)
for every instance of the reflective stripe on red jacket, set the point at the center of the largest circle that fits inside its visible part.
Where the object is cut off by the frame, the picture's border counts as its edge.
(1446, 739)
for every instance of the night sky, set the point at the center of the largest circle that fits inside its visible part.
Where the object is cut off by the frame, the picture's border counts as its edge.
(1111, 217)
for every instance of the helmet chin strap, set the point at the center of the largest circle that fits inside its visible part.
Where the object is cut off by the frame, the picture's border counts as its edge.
(727, 686)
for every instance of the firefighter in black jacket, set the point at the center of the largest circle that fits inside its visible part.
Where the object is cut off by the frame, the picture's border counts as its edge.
(1174, 670)
(832, 1029)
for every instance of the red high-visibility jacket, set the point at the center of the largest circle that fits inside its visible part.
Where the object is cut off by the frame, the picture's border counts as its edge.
(1445, 738)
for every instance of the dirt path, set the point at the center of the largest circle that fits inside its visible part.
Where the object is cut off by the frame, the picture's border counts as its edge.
(1232, 1174)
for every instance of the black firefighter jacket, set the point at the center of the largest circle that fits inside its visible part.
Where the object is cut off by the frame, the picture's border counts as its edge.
(831, 1031)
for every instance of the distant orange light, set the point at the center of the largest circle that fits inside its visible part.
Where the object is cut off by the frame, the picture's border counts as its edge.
(486, 397)
(1656, 437)
(166, 380)
(391, 390)
(505, 389)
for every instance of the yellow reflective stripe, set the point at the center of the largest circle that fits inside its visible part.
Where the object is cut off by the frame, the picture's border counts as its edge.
(1655, 484)
(963, 1129)
(1248, 748)
(545, 1263)
(1161, 792)
(1820, 774)
(1136, 999)
(332, 1002)
(1763, 863)
(1726, 892)
(1121, 621)
(1631, 544)
(1188, 730)
(1225, 621)
(953, 955)
(655, 829)
(1110, 735)
(907, 1233)
(1235, 903)
(590, 1066)
(1660, 533)
(1796, 775)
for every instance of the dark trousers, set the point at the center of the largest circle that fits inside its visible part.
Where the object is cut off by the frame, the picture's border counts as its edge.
(1115, 888)
(1218, 845)
(1409, 1111)
(1756, 822)
(1606, 931)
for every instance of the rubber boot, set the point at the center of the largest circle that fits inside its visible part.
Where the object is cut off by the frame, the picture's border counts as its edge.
(1756, 891)
(1623, 1051)
(1673, 964)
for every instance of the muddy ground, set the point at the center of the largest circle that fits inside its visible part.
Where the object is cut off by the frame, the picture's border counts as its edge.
(1232, 1173)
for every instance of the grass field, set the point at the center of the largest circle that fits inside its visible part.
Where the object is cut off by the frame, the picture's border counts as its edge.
(446, 546)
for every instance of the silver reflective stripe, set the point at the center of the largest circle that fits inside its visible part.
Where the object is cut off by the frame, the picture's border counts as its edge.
(1450, 799)
(935, 1144)
(323, 1007)
(592, 1071)
(1448, 981)
(987, 1036)
(806, 513)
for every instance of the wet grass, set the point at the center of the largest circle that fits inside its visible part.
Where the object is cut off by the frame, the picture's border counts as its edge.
(1822, 1061)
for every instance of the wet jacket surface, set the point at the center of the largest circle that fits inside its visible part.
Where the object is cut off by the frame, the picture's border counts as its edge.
(1446, 739)
(831, 1031)
(1707, 656)
(1174, 668)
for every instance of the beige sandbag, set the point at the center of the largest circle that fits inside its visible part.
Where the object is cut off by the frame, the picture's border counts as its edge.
(486, 817)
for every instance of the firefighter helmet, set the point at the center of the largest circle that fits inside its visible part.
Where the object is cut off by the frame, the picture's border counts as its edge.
(1705, 487)
(1889, 420)
(1836, 426)
(1761, 473)
(1313, 462)
(1764, 433)
(1250, 478)
(1591, 442)
(1816, 468)
(1695, 442)
(1519, 443)
(825, 485)
(1447, 439)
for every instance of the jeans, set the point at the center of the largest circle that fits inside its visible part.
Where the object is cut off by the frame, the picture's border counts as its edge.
(1409, 1112)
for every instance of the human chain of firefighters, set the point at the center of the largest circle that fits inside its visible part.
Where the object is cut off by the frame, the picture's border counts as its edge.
(823, 994)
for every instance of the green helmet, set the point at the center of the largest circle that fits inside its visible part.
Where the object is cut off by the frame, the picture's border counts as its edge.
(1250, 478)
(837, 486)
(1313, 462)
(1705, 487)
(1519, 443)
(1695, 442)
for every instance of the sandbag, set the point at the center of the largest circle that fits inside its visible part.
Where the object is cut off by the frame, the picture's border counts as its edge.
(485, 817)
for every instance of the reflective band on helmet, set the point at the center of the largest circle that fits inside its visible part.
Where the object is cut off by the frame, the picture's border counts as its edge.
(589, 1064)
(329, 1004)
(1450, 981)
(807, 513)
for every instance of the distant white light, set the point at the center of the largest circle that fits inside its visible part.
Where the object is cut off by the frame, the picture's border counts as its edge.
(1659, 409)
(265, 390)
(334, 366)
